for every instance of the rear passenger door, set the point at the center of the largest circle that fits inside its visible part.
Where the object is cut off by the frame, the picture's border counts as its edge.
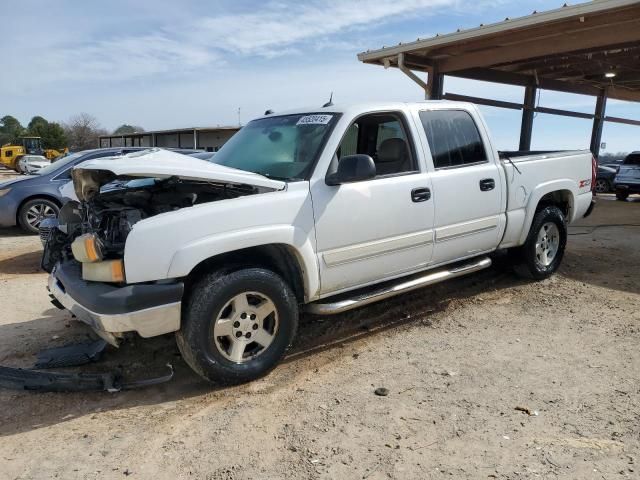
(466, 186)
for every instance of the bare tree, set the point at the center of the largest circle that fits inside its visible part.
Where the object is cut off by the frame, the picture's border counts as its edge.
(83, 132)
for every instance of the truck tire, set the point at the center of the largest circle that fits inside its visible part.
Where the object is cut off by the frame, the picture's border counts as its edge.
(622, 196)
(34, 211)
(543, 250)
(237, 325)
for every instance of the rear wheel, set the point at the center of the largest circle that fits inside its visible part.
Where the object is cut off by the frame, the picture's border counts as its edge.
(238, 325)
(542, 253)
(622, 196)
(34, 211)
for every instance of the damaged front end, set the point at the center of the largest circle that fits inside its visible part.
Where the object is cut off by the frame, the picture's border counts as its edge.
(84, 252)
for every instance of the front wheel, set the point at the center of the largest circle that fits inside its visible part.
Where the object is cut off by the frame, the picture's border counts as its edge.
(237, 325)
(542, 253)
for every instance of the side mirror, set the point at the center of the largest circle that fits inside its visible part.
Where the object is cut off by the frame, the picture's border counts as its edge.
(353, 168)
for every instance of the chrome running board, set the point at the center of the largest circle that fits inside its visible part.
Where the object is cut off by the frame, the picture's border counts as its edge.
(403, 286)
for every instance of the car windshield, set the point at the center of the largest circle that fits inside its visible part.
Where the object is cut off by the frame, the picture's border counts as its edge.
(54, 167)
(283, 147)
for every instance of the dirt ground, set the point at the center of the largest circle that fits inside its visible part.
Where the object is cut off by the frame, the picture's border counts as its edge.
(461, 360)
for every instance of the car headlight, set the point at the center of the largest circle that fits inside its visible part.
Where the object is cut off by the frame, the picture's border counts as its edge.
(4, 191)
(87, 248)
(111, 271)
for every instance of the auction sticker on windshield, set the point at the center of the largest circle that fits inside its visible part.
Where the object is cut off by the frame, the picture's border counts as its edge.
(314, 120)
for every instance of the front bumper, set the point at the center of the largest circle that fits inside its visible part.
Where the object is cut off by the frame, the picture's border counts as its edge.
(149, 309)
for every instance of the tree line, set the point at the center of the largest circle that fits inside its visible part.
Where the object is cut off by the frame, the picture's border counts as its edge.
(81, 132)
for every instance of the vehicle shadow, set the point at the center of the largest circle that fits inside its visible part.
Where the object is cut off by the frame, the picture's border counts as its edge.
(25, 263)
(146, 358)
(14, 232)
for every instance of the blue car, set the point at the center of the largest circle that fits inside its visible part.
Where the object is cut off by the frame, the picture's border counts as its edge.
(627, 181)
(26, 201)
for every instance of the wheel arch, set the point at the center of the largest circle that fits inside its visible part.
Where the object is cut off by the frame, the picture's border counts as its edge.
(280, 258)
(560, 194)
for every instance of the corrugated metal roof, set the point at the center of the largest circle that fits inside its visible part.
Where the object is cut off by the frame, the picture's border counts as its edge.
(535, 19)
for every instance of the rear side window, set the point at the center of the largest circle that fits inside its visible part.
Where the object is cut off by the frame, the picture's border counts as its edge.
(453, 138)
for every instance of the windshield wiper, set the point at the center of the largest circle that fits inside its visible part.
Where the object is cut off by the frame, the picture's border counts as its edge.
(274, 177)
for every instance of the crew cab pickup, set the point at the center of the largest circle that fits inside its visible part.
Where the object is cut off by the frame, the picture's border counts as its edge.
(316, 210)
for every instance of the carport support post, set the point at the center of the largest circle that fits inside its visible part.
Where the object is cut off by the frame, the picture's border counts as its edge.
(528, 110)
(598, 123)
(436, 84)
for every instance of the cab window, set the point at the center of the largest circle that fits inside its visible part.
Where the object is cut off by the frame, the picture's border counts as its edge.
(384, 138)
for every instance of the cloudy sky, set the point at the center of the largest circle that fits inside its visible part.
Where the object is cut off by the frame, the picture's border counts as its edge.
(165, 64)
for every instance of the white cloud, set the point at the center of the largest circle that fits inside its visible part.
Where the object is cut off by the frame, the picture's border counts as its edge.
(193, 43)
(278, 24)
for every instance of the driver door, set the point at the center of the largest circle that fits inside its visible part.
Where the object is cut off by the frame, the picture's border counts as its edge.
(377, 229)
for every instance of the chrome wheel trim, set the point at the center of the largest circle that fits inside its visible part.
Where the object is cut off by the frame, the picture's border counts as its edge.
(39, 212)
(245, 327)
(547, 244)
(601, 186)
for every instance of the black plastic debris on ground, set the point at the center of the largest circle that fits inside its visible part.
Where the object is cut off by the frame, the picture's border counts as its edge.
(72, 355)
(25, 379)
(34, 380)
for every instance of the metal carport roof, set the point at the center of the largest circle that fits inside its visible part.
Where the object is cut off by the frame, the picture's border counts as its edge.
(591, 49)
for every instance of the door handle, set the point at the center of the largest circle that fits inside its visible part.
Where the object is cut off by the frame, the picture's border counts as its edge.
(421, 194)
(487, 184)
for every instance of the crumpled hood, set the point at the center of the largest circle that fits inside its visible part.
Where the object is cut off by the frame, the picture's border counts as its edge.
(89, 176)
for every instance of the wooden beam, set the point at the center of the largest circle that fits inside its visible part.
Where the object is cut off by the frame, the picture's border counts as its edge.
(563, 113)
(626, 121)
(620, 93)
(627, 31)
(482, 101)
(509, 78)
(629, 52)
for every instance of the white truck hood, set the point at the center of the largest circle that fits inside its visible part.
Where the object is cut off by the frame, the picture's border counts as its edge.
(159, 163)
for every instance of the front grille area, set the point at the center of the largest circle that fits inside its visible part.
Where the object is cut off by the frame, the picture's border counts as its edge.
(44, 234)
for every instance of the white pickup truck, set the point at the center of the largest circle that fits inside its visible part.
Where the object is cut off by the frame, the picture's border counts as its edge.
(316, 210)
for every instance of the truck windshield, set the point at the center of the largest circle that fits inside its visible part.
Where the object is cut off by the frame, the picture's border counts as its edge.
(283, 147)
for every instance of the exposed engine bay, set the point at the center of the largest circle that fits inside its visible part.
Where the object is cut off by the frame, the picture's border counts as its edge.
(109, 211)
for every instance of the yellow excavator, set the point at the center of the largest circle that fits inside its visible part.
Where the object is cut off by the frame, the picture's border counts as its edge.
(11, 154)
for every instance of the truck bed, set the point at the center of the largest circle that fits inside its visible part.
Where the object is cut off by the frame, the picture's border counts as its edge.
(524, 155)
(529, 174)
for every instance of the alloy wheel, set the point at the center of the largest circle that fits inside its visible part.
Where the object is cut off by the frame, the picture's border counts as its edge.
(39, 212)
(547, 244)
(245, 327)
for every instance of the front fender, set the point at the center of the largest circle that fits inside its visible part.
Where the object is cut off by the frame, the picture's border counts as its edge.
(190, 255)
